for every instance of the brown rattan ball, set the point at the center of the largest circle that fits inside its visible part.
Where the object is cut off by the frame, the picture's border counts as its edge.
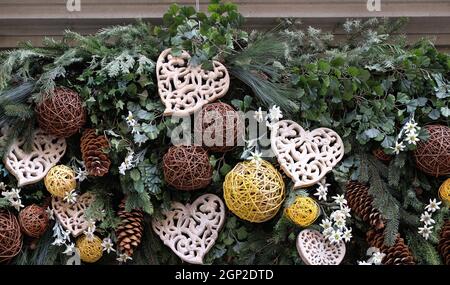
(33, 221)
(381, 155)
(187, 167)
(433, 156)
(219, 127)
(61, 114)
(10, 236)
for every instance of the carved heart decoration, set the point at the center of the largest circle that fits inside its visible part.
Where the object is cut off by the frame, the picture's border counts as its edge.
(31, 167)
(315, 249)
(306, 157)
(191, 230)
(73, 216)
(183, 88)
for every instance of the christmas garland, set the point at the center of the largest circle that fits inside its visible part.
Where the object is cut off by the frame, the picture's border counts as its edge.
(196, 141)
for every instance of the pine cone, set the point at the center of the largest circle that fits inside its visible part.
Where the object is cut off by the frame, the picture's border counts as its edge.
(360, 201)
(96, 161)
(130, 230)
(398, 254)
(444, 243)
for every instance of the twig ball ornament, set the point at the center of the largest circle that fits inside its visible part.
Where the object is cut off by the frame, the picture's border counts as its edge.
(303, 212)
(10, 236)
(433, 156)
(254, 190)
(91, 250)
(60, 180)
(187, 167)
(61, 114)
(219, 127)
(381, 155)
(33, 221)
(444, 192)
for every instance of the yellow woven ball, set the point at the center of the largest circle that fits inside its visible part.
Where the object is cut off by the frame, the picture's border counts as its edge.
(444, 192)
(254, 190)
(60, 180)
(303, 212)
(90, 250)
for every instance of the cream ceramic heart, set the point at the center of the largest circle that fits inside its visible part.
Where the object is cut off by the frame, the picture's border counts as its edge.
(191, 230)
(315, 249)
(183, 88)
(73, 216)
(31, 167)
(306, 157)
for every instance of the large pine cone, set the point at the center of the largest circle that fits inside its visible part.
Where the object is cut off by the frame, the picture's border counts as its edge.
(444, 243)
(360, 201)
(398, 254)
(95, 159)
(130, 230)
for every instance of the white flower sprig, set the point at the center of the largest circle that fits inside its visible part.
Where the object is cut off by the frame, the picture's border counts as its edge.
(71, 197)
(427, 220)
(409, 135)
(13, 197)
(375, 257)
(322, 190)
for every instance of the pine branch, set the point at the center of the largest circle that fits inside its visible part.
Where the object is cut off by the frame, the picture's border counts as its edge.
(423, 251)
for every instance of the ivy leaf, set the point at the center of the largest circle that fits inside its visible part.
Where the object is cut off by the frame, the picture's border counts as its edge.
(372, 133)
(225, 169)
(434, 115)
(445, 111)
(135, 175)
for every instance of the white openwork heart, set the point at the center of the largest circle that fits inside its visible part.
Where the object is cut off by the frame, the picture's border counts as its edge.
(191, 230)
(31, 167)
(184, 88)
(73, 216)
(306, 157)
(315, 249)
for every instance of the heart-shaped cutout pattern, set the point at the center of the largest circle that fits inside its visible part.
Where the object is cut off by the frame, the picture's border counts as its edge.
(315, 249)
(73, 216)
(31, 167)
(191, 230)
(185, 89)
(306, 157)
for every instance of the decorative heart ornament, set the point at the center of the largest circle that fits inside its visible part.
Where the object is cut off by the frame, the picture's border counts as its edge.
(183, 88)
(306, 157)
(315, 249)
(73, 216)
(31, 167)
(191, 230)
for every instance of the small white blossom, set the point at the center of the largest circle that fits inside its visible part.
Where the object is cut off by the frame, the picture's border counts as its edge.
(322, 193)
(58, 242)
(399, 147)
(70, 248)
(89, 234)
(50, 213)
(346, 211)
(17, 204)
(338, 216)
(131, 122)
(335, 236)
(433, 206)
(326, 224)
(425, 231)
(71, 197)
(123, 257)
(275, 114)
(108, 245)
(426, 219)
(328, 232)
(377, 257)
(340, 199)
(255, 155)
(340, 224)
(259, 116)
(411, 126)
(347, 236)
(412, 138)
(364, 263)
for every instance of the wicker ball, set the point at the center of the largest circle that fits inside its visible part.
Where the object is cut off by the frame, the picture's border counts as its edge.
(187, 167)
(303, 212)
(433, 155)
(90, 250)
(219, 127)
(60, 180)
(381, 155)
(61, 114)
(10, 236)
(254, 190)
(444, 192)
(33, 221)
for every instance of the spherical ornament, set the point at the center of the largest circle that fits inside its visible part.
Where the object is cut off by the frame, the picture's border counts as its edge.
(219, 127)
(381, 155)
(304, 211)
(60, 180)
(33, 221)
(91, 250)
(254, 190)
(187, 167)
(10, 236)
(444, 192)
(61, 114)
(433, 156)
